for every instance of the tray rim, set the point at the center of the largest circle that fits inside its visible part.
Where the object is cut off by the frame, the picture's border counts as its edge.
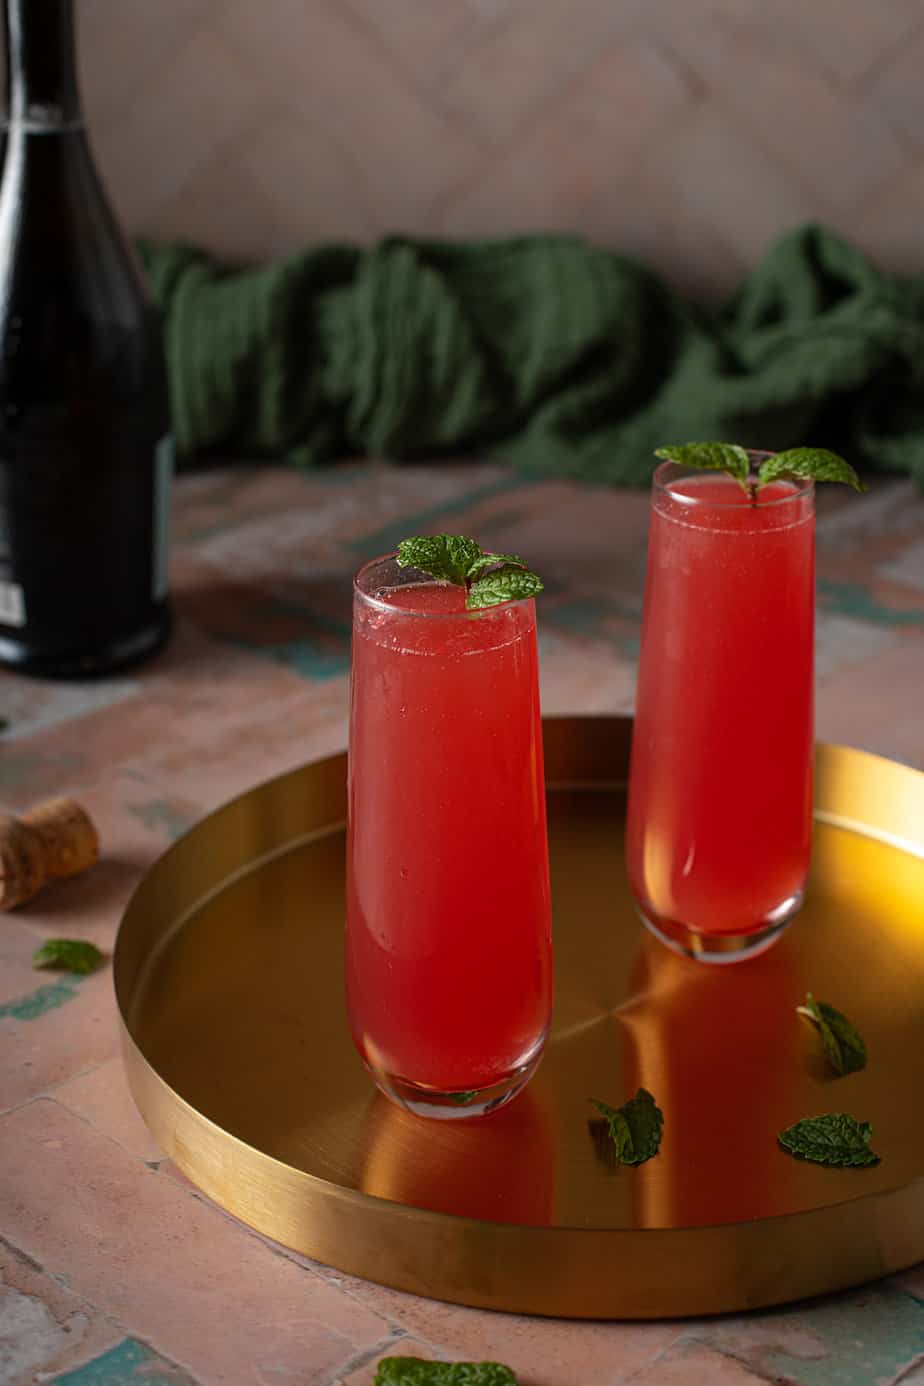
(168, 1114)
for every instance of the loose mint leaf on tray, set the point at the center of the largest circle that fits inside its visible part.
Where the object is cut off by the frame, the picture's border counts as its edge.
(816, 463)
(413, 1371)
(843, 1043)
(508, 584)
(714, 457)
(634, 1129)
(448, 557)
(68, 955)
(833, 1139)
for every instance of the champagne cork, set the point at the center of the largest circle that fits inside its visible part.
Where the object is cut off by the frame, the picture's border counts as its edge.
(52, 840)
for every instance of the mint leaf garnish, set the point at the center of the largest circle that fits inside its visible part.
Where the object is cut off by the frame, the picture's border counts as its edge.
(68, 955)
(634, 1128)
(462, 1099)
(413, 1371)
(714, 457)
(817, 463)
(453, 558)
(842, 1041)
(487, 560)
(834, 1139)
(448, 557)
(508, 584)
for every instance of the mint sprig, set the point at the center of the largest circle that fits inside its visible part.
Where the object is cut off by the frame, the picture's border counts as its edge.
(447, 557)
(833, 1139)
(843, 1043)
(711, 457)
(507, 584)
(487, 560)
(414, 1371)
(634, 1129)
(68, 955)
(488, 578)
(816, 464)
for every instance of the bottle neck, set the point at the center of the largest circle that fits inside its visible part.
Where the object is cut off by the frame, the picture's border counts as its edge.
(42, 89)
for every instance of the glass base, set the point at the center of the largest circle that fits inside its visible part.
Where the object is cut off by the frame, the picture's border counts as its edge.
(724, 948)
(456, 1106)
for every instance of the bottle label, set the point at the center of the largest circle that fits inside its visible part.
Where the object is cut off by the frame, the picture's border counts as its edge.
(163, 483)
(12, 604)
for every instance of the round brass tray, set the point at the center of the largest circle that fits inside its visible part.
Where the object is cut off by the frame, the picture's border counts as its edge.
(229, 982)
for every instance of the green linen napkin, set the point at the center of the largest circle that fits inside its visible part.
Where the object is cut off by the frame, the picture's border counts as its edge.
(562, 358)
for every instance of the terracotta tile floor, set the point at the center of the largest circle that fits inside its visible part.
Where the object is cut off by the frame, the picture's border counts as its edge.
(113, 1269)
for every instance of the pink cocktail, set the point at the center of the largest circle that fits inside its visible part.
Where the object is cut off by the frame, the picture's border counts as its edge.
(448, 938)
(720, 795)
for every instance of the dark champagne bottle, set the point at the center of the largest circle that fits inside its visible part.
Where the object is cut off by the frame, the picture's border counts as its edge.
(85, 444)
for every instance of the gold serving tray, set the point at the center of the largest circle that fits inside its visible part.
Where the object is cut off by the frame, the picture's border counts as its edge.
(229, 982)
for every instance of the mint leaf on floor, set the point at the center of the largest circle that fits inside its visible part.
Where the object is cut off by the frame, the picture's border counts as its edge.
(818, 464)
(68, 955)
(414, 1371)
(842, 1041)
(834, 1139)
(634, 1129)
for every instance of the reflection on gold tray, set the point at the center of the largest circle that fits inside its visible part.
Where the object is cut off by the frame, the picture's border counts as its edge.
(229, 981)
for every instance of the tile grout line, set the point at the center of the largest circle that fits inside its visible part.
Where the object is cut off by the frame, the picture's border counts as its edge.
(883, 60)
(295, 1258)
(18, 1251)
(653, 1361)
(47, 1095)
(55, 1087)
(431, 98)
(758, 1372)
(908, 1373)
(360, 1359)
(395, 1330)
(318, 1270)
(144, 1342)
(693, 1336)
(84, 1304)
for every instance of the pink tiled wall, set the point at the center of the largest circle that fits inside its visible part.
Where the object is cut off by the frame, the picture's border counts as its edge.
(687, 132)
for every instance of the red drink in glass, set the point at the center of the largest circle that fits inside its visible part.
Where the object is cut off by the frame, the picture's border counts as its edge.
(448, 938)
(720, 791)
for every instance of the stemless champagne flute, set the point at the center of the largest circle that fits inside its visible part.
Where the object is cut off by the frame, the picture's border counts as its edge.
(448, 924)
(720, 793)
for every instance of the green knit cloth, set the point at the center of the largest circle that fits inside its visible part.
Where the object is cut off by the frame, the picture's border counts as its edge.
(543, 351)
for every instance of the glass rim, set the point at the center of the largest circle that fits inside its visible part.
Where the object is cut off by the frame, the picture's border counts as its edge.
(377, 604)
(803, 487)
